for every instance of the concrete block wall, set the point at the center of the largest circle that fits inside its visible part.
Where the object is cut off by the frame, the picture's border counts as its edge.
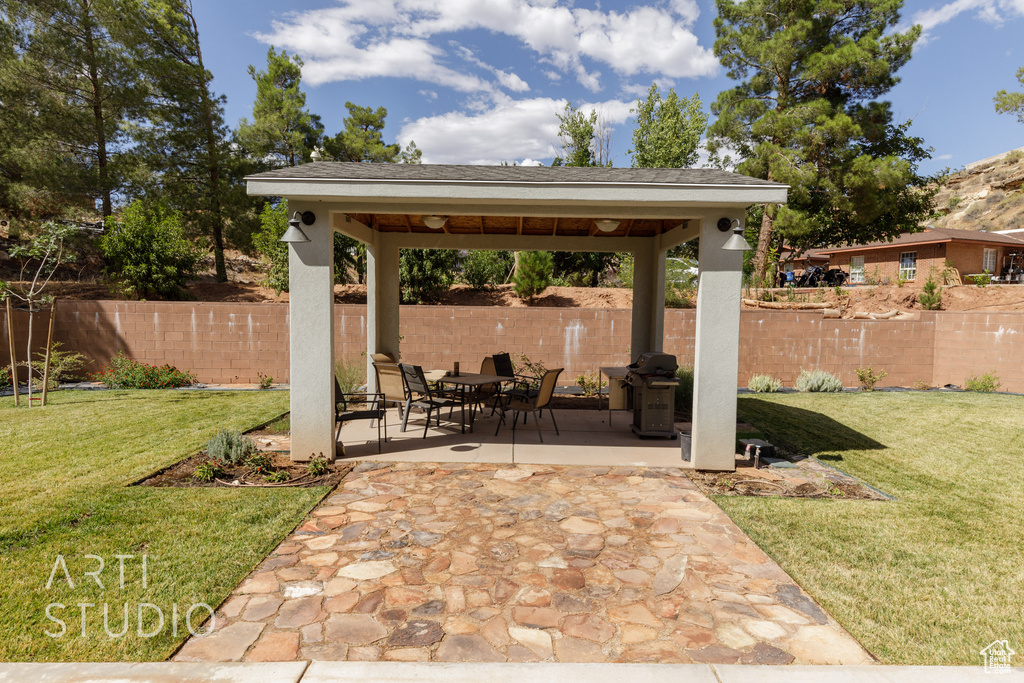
(232, 343)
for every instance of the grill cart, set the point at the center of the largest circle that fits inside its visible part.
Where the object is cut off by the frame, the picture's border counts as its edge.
(652, 386)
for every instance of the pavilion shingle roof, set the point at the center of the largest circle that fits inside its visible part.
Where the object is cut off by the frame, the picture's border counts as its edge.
(330, 170)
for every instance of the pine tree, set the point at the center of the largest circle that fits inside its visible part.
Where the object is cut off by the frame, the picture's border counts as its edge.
(282, 130)
(361, 138)
(1011, 102)
(185, 141)
(805, 113)
(668, 131)
(82, 86)
(532, 275)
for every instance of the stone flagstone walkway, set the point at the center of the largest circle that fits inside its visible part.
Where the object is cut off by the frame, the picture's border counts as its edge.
(491, 563)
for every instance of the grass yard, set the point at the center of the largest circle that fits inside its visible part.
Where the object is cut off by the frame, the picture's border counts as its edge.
(934, 577)
(64, 471)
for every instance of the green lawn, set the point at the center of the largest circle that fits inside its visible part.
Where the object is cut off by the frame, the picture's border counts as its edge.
(933, 577)
(64, 471)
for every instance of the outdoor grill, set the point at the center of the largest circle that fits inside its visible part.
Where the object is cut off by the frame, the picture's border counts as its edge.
(653, 381)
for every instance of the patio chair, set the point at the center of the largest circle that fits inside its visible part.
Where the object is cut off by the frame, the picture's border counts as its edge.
(535, 404)
(521, 386)
(487, 391)
(389, 383)
(418, 394)
(360, 406)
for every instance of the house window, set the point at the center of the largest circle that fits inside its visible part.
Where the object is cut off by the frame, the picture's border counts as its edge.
(857, 269)
(908, 265)
(988, 261)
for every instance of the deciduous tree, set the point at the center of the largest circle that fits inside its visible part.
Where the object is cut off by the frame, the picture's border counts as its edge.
(668, 131)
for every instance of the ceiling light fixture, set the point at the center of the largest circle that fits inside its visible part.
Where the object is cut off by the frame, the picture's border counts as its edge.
(435, 222)
(606, 224)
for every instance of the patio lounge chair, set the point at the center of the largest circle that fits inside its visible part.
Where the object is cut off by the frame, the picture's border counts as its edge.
(365, 406)
(418, 394)
(535, 404)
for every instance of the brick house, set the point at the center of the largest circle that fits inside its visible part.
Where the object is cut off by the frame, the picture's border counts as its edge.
(912, 256)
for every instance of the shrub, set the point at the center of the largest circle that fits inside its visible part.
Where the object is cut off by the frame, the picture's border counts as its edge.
(5, 377)
(590, 384)
(533, 275)
(278, 477)
(265, 381)
(818, 380)
(931, 295)
(982, 280)
(124, 373)
(764, 384)
(868, 378)
(684, 390)
(985, 384)
(426, 274)
(921, 385)
(485, 269)
(63, 366)
(230, 447)
(147, 252)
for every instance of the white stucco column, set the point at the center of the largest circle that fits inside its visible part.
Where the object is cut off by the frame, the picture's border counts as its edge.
(382, 301)
(311, 337)
(648, 321)
(716, 354)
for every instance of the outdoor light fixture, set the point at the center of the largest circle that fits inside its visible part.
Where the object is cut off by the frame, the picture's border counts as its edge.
(606, 225)
(315, 155)
(435, 222)
(736, 242)
(294, 233)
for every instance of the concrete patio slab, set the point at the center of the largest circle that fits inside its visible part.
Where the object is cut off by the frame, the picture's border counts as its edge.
(862, 674)
(156, 672)
(585, 438)
(476, 562)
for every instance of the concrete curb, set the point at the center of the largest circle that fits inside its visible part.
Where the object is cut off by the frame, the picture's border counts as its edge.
(371, 672)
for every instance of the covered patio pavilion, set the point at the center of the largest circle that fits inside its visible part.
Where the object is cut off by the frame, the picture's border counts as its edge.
(518, 208)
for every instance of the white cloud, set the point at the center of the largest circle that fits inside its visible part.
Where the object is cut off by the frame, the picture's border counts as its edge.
(356, 40)
(531, 162)
(507, 80)
(429, 94)
(507, 130)
(944, 157)
(991, 11)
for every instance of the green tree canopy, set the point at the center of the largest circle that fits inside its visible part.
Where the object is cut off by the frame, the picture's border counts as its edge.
(69, 86)
(1011, 102)
(805, 113)
(668, 131)
(577, 132)
(362, 139)
(282, 131)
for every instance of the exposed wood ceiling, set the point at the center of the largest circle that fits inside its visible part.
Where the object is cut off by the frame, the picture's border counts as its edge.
(516, 225)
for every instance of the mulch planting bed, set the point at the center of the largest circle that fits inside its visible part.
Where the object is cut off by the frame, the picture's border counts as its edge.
(801, 477)
(181, 474)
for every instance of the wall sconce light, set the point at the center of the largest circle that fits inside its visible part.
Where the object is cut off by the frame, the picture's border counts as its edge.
(294, 233)
(606, 224)
(736, 242)
(435, 222)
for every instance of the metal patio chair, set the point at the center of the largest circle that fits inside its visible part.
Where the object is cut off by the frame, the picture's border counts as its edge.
(534, 404)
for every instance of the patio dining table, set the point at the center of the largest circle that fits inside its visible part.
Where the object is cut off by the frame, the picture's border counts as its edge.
(469, 381)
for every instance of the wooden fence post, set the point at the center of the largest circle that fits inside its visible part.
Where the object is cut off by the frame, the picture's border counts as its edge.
(10, 337)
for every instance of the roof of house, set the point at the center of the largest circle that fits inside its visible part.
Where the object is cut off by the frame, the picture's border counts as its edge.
(332, 170)
(932, 235)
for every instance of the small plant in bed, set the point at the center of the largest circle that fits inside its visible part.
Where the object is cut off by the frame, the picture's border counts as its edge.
(124, 373)
(764, 384)
(259, 464)
(208, 471)
(318, 467)
(818, 380)
(229, 447)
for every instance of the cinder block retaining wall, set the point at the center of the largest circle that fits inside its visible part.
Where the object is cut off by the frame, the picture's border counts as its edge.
(227, 342)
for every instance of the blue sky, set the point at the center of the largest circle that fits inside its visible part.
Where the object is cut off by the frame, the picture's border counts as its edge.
(481, 81)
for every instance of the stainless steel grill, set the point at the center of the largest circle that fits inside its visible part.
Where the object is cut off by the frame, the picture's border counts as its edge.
(652, 379)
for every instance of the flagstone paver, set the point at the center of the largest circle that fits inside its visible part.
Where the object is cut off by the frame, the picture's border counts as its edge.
(488, 563)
